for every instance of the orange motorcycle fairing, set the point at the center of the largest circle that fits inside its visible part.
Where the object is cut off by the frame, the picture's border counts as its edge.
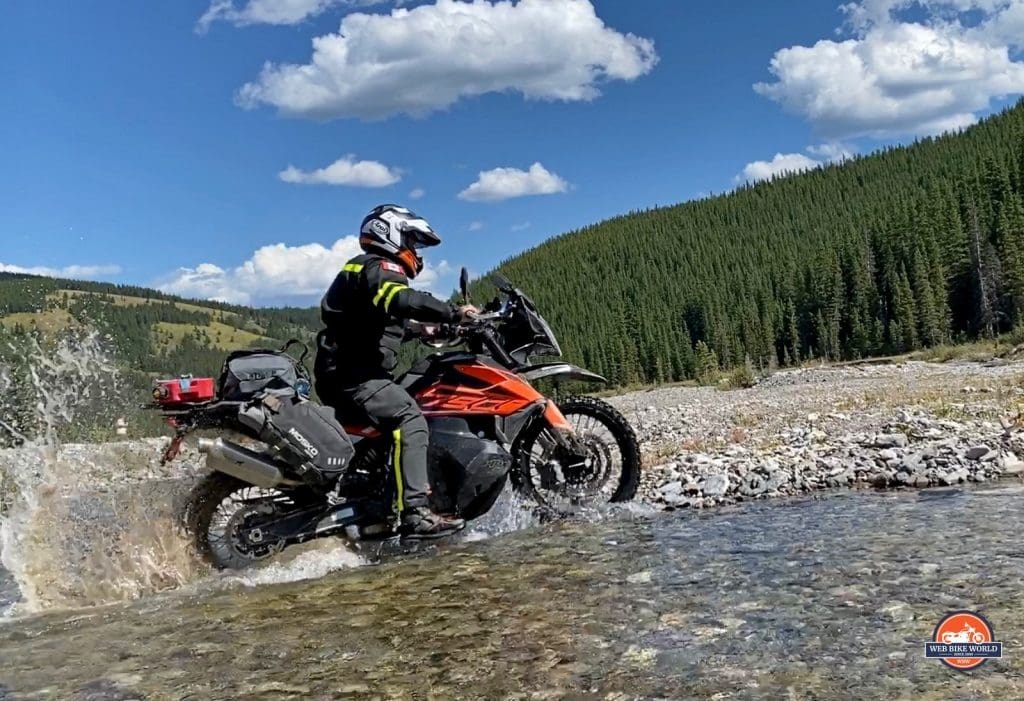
(487, 390)
(555, 418)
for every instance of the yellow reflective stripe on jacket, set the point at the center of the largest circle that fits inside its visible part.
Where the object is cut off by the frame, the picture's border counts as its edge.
(394, 286)
(400, 501)
(391, 295)
(353, 268)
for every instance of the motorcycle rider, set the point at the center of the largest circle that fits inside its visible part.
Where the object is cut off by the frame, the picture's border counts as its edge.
(368, 311)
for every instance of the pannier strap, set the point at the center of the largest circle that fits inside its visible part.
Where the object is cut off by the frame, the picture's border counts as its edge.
(271, 402)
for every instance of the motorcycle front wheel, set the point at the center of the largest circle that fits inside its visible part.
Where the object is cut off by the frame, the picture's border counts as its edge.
(611, 472)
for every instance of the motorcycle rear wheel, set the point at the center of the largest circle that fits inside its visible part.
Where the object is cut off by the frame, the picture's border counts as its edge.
(611, 447)
(219, 508)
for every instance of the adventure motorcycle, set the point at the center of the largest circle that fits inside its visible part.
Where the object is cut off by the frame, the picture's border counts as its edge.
(487, 425)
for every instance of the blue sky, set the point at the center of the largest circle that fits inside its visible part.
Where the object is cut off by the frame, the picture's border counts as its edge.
(148, 143)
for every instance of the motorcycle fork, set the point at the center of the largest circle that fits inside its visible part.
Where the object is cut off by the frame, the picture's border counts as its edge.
(568, 454)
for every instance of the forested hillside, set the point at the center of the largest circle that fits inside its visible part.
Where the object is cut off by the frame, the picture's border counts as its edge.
(911, 247)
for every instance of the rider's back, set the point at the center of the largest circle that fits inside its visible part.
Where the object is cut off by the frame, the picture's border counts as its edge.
(361, 337)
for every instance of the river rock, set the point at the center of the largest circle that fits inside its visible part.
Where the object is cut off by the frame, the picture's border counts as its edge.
(754, 486)
(672, 489)
(715, 484)
(1010, 464)
(905, 478)
(891, 440)
(887, 454)
(979, 453)
(954, 477)
(912, 462)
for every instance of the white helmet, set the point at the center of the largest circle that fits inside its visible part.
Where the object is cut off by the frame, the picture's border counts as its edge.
(397, 233)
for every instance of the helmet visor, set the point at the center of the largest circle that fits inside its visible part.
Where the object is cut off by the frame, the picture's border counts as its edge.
(418, 234)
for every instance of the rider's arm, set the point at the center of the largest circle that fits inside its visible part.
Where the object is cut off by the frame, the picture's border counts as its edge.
(390, 292)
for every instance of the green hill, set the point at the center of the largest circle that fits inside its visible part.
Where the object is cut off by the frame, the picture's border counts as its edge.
(912, 247)
(148, 332)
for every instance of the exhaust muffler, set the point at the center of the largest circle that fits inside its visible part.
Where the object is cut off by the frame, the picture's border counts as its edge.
(247, 465)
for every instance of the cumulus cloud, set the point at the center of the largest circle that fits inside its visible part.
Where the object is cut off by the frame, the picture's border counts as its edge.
(506, 183)
(897, 77)
(781, 164)
(344, 171)
(832, 151)
(280, 12)
(74, 272)
(419, 60)
(281, 274)
(791, 163)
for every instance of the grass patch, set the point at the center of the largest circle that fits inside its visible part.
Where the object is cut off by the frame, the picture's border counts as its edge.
(215, 334)
(128, 301)
(975, 352)
(48, 322)
(740, 377)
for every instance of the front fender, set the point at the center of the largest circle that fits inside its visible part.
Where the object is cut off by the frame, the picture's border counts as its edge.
(561, 370)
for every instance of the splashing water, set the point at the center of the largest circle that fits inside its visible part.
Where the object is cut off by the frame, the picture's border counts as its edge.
(511, 512)
(82, 524)
(311, 561)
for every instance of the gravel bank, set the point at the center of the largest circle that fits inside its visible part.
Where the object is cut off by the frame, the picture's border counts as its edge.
(876, 426)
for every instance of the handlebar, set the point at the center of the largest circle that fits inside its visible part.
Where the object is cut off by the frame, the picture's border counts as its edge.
(479, 327)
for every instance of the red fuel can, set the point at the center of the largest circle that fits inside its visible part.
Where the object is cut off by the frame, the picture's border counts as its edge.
(184, 390)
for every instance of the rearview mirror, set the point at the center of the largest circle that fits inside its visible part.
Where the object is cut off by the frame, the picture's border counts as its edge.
(464, 285)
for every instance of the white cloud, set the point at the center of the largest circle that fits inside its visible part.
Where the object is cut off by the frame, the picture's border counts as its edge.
(506, 183)
(782, 164)
(520, 227)
(278, 274)
(74, 272)
(476, 226)
(833, 151)
(344, 171)
(419, 60)
(280, 12)
(897, 77)
(417, 193)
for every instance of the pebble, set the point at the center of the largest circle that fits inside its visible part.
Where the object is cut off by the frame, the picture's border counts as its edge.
(892, 440)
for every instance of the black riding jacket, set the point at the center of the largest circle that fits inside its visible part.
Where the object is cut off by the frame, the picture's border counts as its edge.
(364, 313)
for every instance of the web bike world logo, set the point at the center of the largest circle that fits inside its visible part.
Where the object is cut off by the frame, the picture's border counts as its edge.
(964, 640)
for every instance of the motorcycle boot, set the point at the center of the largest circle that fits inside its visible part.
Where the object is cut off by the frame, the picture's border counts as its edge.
(420, 523)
